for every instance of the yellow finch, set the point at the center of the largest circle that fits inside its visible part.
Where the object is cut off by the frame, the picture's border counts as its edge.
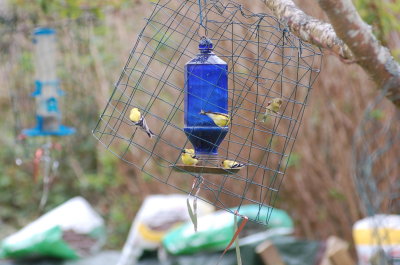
(136, 117)
(188, 157)
(189, 151)
(272, 107)
(220, 119)
(228, 164)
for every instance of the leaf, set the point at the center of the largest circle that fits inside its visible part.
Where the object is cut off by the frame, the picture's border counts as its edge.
(193, 216)
(336, 194)
(293, 160)
(377, 114)
(237, 247)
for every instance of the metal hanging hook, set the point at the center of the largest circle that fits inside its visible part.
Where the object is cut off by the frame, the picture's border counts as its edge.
(201, 19)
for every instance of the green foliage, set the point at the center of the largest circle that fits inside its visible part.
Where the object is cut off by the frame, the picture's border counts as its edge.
(26, 61)
(382, 15)
(107, 178)
(85, 169)
(293, 160)
(119, 220)
(162, 39)
(377, 114)
(146, 177)
(336, 194)
(20, 199)
(71, 9)
(322, 214)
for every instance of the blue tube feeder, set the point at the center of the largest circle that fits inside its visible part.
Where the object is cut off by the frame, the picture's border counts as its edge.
(47, 87)
(206, 89)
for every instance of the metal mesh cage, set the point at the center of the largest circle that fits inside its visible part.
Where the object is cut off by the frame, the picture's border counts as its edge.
(265, 61)
(376, 158)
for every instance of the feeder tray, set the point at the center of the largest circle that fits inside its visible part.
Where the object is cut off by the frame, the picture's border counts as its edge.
(205, 169)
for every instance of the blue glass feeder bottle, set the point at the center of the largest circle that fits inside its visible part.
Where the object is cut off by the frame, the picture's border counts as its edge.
(47, 91)
(206, 88)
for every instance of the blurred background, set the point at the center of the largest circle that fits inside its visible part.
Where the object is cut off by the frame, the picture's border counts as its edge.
(323, 190)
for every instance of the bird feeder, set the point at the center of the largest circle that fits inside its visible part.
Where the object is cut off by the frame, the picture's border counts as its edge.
(47, 87)
(206, 89)
(265, 60)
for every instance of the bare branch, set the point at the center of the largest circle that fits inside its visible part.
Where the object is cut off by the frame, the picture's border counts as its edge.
(375, 59)
(349, 37)
(308, 28)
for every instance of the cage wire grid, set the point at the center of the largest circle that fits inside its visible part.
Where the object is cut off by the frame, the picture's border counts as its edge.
(265, 61)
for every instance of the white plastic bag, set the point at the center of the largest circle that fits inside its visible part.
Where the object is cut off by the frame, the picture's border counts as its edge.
(375, 233)
(157, 215)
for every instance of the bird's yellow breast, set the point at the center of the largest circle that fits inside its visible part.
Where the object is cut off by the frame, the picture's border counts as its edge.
(275, 107)
(188, 159)
(227, 164)
(135, 115)
(219, 120)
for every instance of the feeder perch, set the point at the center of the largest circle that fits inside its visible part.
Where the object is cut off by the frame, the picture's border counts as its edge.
(47, 87)
(205, 170)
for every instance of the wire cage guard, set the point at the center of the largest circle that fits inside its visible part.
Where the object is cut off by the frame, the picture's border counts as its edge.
(264, 62)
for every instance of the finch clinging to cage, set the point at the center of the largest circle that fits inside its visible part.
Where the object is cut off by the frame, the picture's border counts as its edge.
(272, 107)
(136, 117)
(189, 158)
(220, 119)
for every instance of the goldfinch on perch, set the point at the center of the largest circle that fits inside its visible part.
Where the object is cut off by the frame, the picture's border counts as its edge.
(188, 157)
(136, 117)
(272, 107)
(229, 164)
(220, 119)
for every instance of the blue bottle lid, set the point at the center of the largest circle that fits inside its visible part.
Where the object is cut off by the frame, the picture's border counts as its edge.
(44, 31)
(205, 45)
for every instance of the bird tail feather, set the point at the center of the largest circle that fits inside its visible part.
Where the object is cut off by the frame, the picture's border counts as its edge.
(238, 165)
(146, 128)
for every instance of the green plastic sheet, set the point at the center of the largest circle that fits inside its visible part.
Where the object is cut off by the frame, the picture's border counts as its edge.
(49, 243)
(216, 231)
